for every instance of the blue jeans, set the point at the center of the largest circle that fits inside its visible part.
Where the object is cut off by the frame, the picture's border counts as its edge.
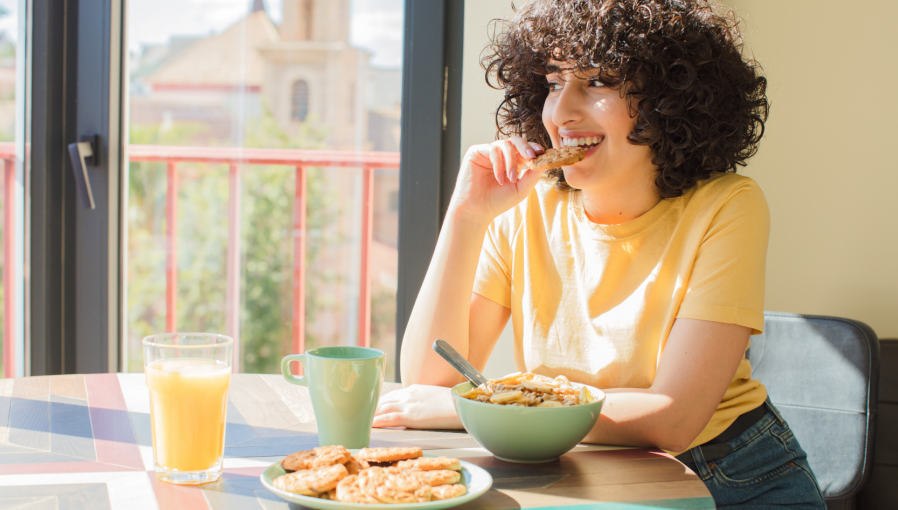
(765, 468)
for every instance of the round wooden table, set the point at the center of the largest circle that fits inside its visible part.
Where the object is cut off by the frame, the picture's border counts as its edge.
(83, 442)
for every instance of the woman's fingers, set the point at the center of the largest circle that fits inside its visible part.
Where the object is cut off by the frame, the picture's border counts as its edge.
(418, 407)
(510, 155)
(386, 409)
(393, 396)
(497, 160)
(388, 420)
(392, 401)
(529, 179)
(524, 148)
(506, 156)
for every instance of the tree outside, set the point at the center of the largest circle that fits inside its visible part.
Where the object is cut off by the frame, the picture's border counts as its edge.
(266, 258)
(267, 247)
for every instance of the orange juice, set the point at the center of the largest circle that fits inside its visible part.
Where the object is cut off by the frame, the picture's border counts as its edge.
(188, 402)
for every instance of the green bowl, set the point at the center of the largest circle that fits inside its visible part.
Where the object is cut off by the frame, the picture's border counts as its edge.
(527, 434)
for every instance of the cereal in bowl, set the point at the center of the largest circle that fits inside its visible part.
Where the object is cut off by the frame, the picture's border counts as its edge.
(530, 390)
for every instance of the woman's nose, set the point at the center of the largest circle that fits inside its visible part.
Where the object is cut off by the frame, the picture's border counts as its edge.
(569, 106)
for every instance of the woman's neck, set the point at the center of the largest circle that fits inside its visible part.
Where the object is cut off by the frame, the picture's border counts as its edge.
(616, 203)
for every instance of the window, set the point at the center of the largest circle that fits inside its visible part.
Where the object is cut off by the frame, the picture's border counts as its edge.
(215, 210)
(299, 100)
(253, 211)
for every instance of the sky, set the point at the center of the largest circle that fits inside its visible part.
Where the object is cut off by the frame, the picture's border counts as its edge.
(8, 22)
(376, 25)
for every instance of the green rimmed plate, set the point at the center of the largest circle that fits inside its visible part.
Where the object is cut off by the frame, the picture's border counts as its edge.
(475, 478)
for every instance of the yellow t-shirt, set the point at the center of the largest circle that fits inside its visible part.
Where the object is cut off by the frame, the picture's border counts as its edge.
(596, 303)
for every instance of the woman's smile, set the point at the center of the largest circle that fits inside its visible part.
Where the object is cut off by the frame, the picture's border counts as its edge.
(587, 140)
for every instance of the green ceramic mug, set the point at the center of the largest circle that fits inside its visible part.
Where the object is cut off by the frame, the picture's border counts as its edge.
(344, 385)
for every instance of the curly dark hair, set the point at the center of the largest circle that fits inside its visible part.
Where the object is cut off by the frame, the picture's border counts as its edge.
(700, 103)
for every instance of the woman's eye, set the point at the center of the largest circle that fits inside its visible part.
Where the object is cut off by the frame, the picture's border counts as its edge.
(554, 86)
(596, 83)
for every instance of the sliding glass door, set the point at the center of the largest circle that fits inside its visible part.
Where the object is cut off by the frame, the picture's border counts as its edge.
(229, 166)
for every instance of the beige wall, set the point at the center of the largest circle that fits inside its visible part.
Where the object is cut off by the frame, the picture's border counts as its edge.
(478, 125)
(478, 100)
(825, 163)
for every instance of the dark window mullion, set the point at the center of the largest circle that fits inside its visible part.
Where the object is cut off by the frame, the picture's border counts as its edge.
(53, 55)
(431, 138)
(97, 243)
(75, 253)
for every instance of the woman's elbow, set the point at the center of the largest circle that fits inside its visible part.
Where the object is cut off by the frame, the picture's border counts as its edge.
(675, 444)
(676, 437)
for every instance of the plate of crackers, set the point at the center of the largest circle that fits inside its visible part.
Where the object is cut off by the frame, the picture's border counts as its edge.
(334, 477)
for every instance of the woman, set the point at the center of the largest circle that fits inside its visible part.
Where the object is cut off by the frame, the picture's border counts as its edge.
(641, 269)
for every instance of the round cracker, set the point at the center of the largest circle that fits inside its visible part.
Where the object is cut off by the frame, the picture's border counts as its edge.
(389, 454)
(322, 456)
(430, 464)
(354, 465)
(440, 477)
(394, 488)
(312, 482)
(448, 491)
(348, 491)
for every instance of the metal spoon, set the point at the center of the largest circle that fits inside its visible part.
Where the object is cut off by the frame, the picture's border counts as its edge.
(459, 363)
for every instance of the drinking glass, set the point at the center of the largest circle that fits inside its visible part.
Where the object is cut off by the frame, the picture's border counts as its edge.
(188, 375)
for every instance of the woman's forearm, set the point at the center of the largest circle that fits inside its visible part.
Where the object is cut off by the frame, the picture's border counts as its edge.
(639, 417)
(442, 309)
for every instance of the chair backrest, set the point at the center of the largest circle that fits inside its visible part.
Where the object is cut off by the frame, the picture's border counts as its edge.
(822, 373)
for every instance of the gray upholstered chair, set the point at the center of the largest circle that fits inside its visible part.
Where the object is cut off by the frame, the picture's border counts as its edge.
(881, 491)
(822, 373)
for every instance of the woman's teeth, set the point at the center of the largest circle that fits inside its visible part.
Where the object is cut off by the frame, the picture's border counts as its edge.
(583, 141)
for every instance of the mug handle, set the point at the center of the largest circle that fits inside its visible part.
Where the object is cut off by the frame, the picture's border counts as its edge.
(285, 369)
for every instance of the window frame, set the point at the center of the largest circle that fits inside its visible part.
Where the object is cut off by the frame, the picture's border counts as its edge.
(76, 290)
(76, 282)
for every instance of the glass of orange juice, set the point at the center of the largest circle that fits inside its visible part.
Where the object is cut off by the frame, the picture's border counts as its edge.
(188, 376)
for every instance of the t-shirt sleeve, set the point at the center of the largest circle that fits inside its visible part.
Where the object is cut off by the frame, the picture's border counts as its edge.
(493, 278)
(727, 280)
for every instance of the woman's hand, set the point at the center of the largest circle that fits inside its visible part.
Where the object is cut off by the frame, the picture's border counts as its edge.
(488, 182)
(417, 407)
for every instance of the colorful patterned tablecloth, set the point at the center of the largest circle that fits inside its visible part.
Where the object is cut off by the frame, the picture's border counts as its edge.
(83, 442)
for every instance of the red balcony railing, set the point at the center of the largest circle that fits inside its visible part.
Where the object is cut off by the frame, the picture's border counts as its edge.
(8, 155)
(236, 159)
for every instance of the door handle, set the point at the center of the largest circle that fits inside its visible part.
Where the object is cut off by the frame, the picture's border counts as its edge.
(85, 152)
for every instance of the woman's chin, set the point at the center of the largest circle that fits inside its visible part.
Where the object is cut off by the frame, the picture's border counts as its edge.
(575, 178)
